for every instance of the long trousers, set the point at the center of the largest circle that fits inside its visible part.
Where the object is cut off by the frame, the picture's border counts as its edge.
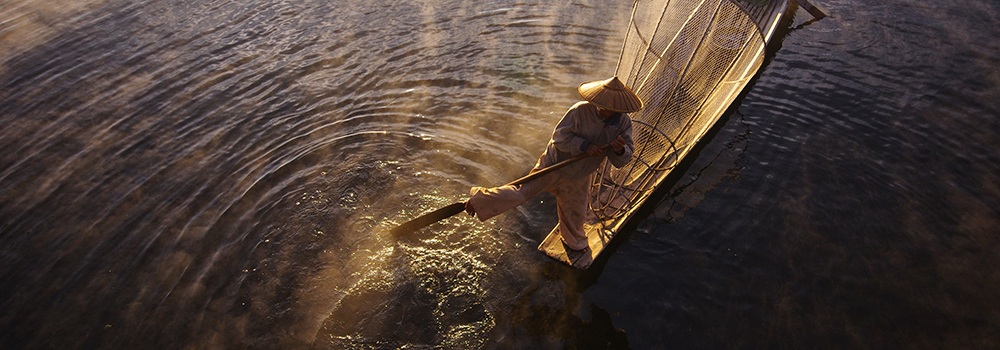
(571, 201)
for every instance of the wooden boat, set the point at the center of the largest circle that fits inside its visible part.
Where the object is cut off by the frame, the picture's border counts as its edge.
(687, 60)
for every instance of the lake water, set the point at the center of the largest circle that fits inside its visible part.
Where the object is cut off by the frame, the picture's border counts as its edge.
(223, 174)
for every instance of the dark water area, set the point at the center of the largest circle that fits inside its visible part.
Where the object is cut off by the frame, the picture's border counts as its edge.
(223, 174)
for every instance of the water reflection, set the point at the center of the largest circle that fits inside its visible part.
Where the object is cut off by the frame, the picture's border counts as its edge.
(222, 174)
(210, 174)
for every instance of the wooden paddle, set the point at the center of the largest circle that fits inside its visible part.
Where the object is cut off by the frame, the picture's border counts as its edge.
(449, 211)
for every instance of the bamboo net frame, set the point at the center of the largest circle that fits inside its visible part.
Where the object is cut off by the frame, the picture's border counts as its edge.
(687, 60)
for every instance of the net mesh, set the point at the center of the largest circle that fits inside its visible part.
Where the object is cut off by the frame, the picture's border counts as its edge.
(687, 60)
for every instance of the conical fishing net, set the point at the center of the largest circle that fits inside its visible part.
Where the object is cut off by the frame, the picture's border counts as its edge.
(687, 60)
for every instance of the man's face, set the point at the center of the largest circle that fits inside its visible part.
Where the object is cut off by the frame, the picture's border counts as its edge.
(604, 113)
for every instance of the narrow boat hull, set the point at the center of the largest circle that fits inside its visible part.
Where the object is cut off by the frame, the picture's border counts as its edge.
(688, 60)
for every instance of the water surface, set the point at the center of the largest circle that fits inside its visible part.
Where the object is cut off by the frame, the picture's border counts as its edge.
(223, 174)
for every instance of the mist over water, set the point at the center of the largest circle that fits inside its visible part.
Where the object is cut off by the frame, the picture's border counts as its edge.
(224, 174)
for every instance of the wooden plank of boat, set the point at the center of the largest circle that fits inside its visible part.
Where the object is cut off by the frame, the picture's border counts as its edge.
(598, 238)
(813, 8)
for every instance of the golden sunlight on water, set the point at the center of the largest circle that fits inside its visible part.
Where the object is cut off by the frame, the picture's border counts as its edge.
(224, 174)
(25, 24)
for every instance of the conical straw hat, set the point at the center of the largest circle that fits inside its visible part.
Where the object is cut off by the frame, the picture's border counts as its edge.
(611, 94)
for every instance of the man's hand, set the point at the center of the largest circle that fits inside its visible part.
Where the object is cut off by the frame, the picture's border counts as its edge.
(618, 145)
(593, 150)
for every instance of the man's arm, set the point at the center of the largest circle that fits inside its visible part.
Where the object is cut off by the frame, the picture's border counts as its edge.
(565, 137)
(622, 157)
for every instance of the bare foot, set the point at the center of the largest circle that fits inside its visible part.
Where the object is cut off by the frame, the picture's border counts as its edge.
(575, 249)
(469, 209)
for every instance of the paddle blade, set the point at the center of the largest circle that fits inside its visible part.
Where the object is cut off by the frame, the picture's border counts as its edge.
(429, 218)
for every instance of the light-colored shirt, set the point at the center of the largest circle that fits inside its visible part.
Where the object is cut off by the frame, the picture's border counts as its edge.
(580, 127)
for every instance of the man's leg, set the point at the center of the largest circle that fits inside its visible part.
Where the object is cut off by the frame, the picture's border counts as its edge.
(490, 202)
(572, 201)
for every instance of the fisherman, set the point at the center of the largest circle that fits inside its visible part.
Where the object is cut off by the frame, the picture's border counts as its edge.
(585, 128)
